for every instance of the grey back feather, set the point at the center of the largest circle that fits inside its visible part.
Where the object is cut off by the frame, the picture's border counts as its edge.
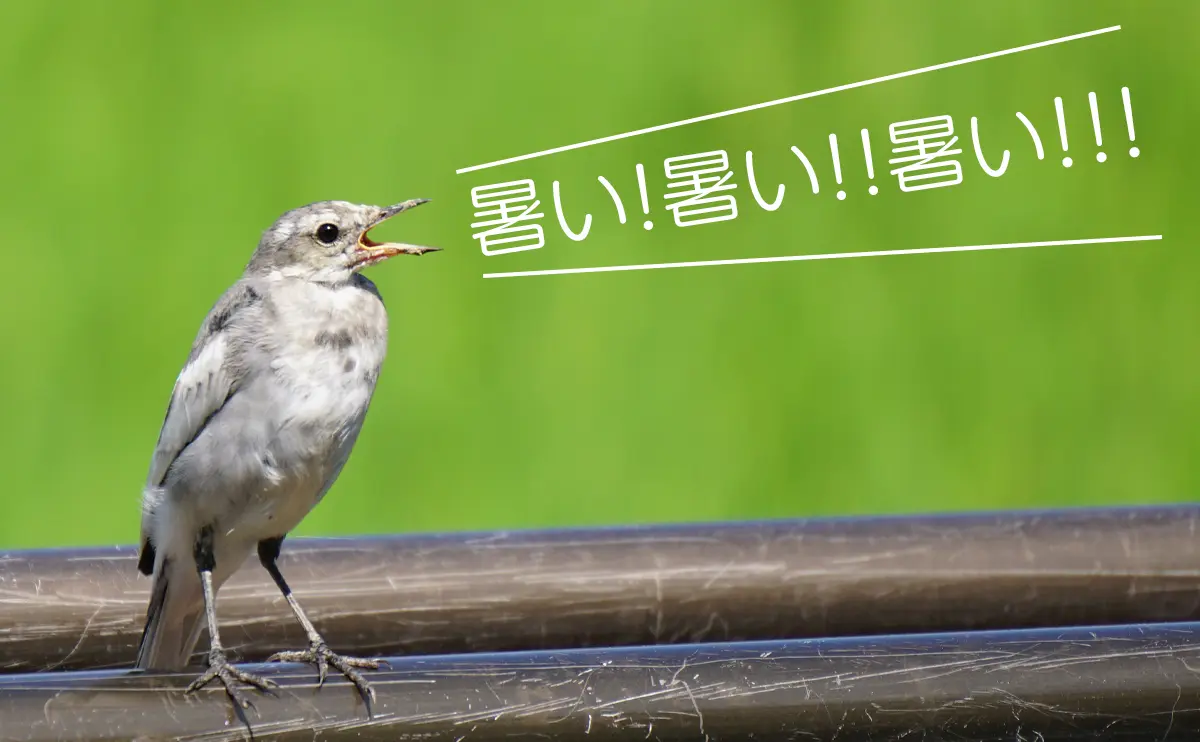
(214, 372)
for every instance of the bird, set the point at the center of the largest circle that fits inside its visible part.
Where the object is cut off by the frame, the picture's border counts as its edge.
(260, 423)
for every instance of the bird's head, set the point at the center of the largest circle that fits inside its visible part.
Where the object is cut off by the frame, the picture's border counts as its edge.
(328, 241)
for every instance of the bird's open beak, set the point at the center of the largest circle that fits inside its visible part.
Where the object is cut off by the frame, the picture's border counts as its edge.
(369, 252)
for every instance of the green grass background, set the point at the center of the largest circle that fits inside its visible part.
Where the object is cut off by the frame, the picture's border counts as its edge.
(147, 145)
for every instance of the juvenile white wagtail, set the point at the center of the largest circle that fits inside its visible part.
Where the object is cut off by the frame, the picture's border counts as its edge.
(260, 424)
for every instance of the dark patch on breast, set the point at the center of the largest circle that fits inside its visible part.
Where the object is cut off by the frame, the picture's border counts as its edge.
(349, 365)
(338, 339)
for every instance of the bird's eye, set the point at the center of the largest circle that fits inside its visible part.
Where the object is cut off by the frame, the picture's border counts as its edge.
(327, 233)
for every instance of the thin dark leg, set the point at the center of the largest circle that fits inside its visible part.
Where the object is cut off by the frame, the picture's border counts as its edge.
(318, 653)
(219, 666)
(268, 554)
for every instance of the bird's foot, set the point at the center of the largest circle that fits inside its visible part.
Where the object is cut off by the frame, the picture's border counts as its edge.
(220, 668)
(323, 657)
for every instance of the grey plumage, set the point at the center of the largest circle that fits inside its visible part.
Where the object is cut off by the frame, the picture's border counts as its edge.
(262, 419)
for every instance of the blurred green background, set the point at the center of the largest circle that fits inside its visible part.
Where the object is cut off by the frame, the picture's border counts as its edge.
(147, 145)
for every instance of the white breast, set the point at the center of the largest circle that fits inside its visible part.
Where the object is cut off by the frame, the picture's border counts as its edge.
(329, 346)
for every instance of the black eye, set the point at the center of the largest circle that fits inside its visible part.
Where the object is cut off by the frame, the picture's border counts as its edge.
(327, 233)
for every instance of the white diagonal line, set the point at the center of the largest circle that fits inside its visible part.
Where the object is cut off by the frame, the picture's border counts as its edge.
(823, 256)
(790, 99)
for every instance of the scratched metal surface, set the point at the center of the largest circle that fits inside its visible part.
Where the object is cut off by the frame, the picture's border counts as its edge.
(1114, 683)
(84, 608)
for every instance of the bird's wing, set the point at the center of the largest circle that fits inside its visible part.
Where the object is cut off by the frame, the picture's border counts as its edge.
(214, 372)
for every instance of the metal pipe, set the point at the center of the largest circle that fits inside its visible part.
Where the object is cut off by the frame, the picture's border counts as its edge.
(1110, 683)
(83, 608)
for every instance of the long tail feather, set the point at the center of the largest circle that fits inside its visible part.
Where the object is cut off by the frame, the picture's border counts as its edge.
(173, 620)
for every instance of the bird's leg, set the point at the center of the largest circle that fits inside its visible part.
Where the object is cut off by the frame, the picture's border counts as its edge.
(219, 665)
(318, 653)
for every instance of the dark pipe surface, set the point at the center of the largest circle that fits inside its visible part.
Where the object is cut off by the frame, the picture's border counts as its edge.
(1108, 683)
(84, 608)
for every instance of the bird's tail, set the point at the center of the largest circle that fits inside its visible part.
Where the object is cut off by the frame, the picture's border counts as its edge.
(173, 620)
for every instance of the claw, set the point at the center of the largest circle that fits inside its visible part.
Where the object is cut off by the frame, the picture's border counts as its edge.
(219, 668)
(323, 657)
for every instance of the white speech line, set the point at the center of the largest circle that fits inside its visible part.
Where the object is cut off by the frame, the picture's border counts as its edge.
(823, 256)
(790, 99)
